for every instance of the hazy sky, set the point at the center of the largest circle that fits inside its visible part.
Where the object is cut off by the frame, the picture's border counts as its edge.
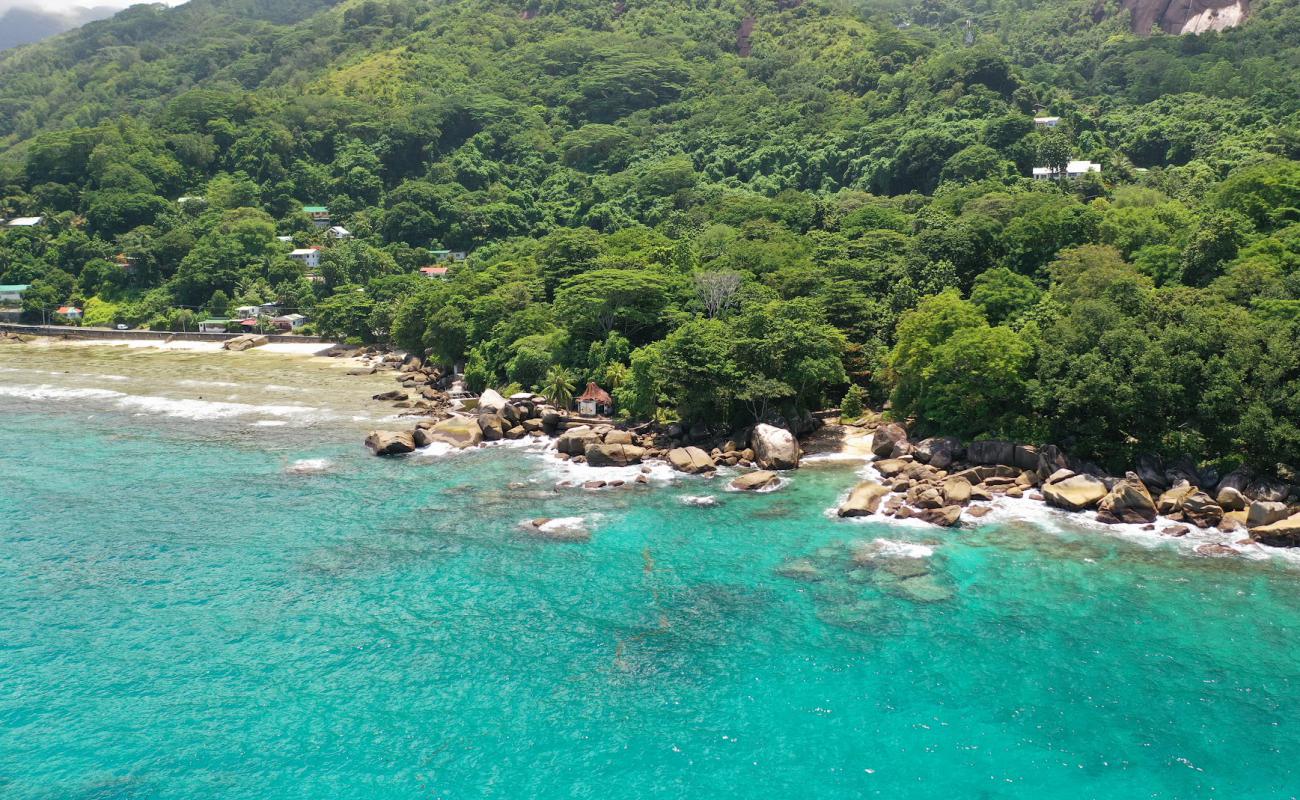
(64, 5)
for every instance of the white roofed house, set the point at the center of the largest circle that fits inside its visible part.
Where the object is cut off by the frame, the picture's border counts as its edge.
(338, 232)
(1046, 122)
(25, 222)
(309, 257)
(289, 322)
(1074, 169)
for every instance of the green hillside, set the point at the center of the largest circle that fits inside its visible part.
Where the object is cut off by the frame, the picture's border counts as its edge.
(720, 210)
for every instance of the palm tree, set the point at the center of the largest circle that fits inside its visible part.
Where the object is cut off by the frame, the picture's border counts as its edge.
(559, 386)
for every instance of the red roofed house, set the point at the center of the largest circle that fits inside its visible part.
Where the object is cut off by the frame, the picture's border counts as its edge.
(433, 272)
(71, 312)
(595, 401)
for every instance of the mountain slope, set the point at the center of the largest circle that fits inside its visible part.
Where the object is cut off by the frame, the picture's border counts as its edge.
(837, 162)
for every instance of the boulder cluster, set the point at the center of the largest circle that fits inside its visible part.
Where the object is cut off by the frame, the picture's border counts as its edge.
(937, 479)
(491, 417)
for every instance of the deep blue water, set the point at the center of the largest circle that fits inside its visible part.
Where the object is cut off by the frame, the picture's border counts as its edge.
(180, 617)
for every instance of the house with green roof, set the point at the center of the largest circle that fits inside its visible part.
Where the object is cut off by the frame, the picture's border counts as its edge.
(13, 293)
(319, 215)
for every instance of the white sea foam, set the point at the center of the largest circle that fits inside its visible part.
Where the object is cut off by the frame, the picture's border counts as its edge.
(893, 548)
(309, 466)
(702, 501)
(656, 471)
(212, 409)
(270, 423)
(48, 392)
(565, 529)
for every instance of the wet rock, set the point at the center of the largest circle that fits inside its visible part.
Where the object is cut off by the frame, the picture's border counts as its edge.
(1075, 493)
(1175, 531)
(244, 342)
(1283, 533)
(906, 567)
(613, 455)
(927, 497)
(459, 432)
(1171, 501)
(956, 491)
(564, 529)
(691, 460)
(978, 511)
(396, 394)
(516, 433)
(890, 467)
(575, 440)
(619, 437)
(492, 426)
(1201, 511)
(390, 443)
(863, 500)
(1128, 502)
(800, 569)
(774, 448)
(597, 484)
(924, 589)
(946, 517)
(753, 481)
(1216, 550)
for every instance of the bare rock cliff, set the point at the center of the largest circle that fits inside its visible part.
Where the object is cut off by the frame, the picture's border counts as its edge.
(1183, 16)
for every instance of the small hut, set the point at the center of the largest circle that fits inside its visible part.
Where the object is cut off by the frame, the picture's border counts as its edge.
(595, 401)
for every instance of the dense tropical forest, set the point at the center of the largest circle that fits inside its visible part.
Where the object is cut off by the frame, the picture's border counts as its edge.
(720, 210)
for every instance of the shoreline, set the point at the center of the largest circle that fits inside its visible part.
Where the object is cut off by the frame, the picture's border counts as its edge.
(186, 345)
(832, 445)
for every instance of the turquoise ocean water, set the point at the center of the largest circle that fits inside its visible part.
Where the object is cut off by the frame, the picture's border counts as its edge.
(185, 614)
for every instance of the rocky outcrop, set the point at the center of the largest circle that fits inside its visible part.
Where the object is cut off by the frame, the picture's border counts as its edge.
(863, 500)
(956, 491)
(691, 460)
(1181, 16)
(991, 452)
(1171, 501)
(390, 443)
(613, 455)
(459, 432)
(574, 441)
(890, 441)
(774, 448)
(1263, 512)
(1201, 510)
(1283, 533)
(1074, 492)
(753, 481)
(1128, 502)
(944, 516)
(244, 342)
(938, 451)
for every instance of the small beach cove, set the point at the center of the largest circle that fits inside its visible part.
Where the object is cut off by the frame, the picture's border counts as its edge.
(200, 604)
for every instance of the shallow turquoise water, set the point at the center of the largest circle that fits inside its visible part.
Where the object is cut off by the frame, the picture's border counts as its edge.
(181, 618)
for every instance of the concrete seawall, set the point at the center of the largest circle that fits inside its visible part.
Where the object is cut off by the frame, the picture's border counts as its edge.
(68, 331)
